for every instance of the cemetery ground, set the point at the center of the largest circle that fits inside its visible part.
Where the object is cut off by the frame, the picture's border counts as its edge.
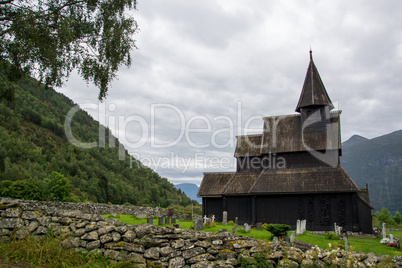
(364, 244)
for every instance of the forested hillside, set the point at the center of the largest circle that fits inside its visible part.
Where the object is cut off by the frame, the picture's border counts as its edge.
(377, 162)
(38, 162)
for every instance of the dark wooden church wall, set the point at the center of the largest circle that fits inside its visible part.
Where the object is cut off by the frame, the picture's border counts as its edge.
(213, 206)
(239, 207)
(277, 209)
(365, 218)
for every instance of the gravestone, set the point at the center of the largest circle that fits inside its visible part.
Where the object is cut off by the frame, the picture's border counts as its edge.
(167, 220)
(298, 227)
(225, 218)
(160, 220)
(292, 237)
(259, 225)
(302, 226)
(173, 220)
(346, 242)
(275, 239)
(286, 238)
(150, 220)
(336, 229)
(113, 213)
(234, 230)
(213, 218)
(236, 221)
(246, 227)
(205, 219)
(208, 222)
(391, 238)
(384, 231)
(198, 225)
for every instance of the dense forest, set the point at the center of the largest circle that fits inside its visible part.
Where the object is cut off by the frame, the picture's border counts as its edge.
(38, 162)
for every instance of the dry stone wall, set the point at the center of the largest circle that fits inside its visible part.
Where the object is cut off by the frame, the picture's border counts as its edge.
(93, 208)
(148, 245)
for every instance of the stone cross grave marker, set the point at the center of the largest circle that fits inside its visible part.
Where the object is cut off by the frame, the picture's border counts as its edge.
(213, 218)
(205, 219)
(246, 227)
(225, 218)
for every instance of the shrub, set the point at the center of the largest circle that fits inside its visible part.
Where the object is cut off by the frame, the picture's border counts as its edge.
(277, 229)
(331, 236)
(210, 225)
(231, 223)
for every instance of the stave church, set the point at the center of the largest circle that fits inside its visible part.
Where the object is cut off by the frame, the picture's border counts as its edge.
(292, 171)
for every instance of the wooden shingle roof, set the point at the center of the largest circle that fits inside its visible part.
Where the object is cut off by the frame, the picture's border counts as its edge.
(248, 145)
(240, 184)
(279, 181)
(313, 92)
(213, 183)
(311, 180)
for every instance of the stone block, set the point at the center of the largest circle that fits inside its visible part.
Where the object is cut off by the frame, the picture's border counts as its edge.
(93, 244)
(91, 236)
(12, 213)
(152, 253)
(105, 230)
(129, 236)
(11, 223)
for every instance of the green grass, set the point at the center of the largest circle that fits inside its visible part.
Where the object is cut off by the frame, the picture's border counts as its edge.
(364, 244)
(48, 252)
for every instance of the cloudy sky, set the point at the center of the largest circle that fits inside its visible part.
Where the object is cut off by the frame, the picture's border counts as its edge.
(207, 71)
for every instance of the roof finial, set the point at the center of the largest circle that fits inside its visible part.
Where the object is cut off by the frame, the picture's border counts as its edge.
(311, 54)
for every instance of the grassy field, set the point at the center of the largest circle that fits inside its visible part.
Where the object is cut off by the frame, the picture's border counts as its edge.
(364, 244)
(48, 252)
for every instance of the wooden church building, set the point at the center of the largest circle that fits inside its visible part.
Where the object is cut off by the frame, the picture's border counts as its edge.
(292, 171)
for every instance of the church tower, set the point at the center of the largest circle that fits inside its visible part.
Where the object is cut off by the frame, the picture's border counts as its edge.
(314, 103)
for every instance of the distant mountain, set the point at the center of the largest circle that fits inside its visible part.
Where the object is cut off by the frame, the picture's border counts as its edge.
(377, 162)
(190, 189)
(355, 139)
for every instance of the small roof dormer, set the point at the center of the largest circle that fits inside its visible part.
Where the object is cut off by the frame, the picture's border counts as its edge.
(313, 93)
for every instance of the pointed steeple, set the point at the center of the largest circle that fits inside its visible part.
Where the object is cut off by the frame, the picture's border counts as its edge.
(313, 92)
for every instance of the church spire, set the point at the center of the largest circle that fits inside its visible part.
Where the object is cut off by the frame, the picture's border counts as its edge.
(313, 92)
